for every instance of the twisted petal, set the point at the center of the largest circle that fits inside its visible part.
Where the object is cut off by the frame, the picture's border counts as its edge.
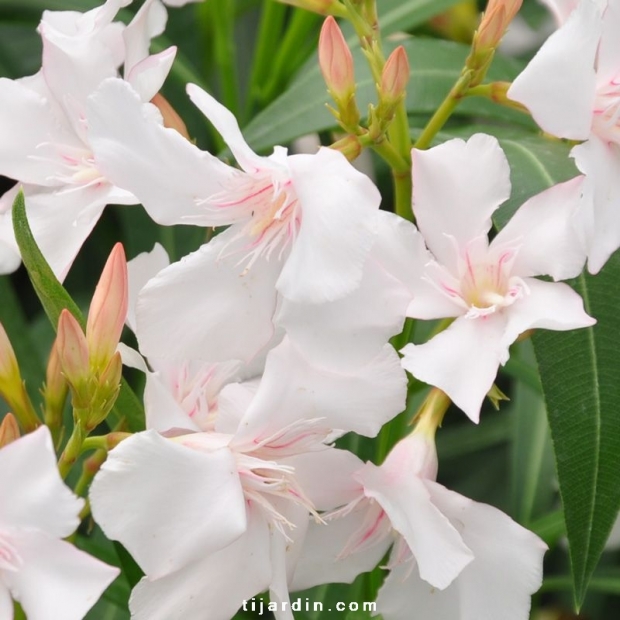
(205, 307)
(545, 232)
(462, 360)
(214, 587)
(56, 576)
(34, 496)
(338, 228)
(456, 188)
(559, 85)
(168, 504)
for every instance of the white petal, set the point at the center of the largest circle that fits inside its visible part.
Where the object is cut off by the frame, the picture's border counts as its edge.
(204, 307)
(148, 23)
(550, 305)
(165, 171)
(545, 228)
(27, 123)
(507, 568)
(168, 504)
(149, 75)
(34, 495)
(131, 358)
(462, 360)
(6, 603)
(214, 587)
(338, 228)
(436, 545)
(139, 271)
(226, 124)
(559, 85)
(456, 188)
(601, 202)
(61, 222)
(609, 48)
(292, 389)
(56, 579)
(319, 562)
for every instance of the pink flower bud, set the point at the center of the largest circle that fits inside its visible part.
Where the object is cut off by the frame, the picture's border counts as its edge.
(9, 430)
(496, 18)
(395, 75)
(72, 351)
(55, 390)
(108, 309)
(336, 62)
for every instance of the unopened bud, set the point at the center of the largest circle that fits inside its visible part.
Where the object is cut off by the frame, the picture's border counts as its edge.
(495, 21)
(108, 310)
(73, 352)
(10, 379)
(55, 390)
(395, 76)
(105, 392)
(336, 61)
(171, 118)
(9, 430)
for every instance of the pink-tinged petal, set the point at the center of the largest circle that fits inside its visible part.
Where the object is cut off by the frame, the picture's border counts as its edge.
(327, 476)
(361, 401)
(139, 271)
(456, 188)
(338, 228)
(320, 561)
(163, 412)
(545, 232)
(600, 162)
(436, 545)
(507, 568)
(39, 499)
(226, 124)
(56, 580)
(165, 171)
(6, 603)
(214, 587)
(559, 85)
(549, 305)
(168, 504)
(149, 75)
(67, 216)
(205, 307)
(462, 360)
(148, 23)
(28, 124)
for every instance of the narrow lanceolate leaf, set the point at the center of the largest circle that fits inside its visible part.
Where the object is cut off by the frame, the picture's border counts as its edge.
(580, 377)
(54, 299)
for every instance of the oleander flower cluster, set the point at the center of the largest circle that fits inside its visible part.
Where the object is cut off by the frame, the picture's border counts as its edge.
(285, 332)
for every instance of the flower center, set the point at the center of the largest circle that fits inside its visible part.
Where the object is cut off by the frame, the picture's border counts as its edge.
(482, 282)
(606, 121)
(267, 210)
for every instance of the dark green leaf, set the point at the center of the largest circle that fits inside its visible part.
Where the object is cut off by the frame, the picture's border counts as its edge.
(579, 373)
(54, 299)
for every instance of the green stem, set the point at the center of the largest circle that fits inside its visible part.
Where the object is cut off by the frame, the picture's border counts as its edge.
(387, 151)
(73, 448)
(18, 612)
(445, 110)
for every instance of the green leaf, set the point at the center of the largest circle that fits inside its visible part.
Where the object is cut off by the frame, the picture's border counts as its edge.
(533, 470)
(435, 66)
(579, 373)
(54, 299)
(399, 16)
